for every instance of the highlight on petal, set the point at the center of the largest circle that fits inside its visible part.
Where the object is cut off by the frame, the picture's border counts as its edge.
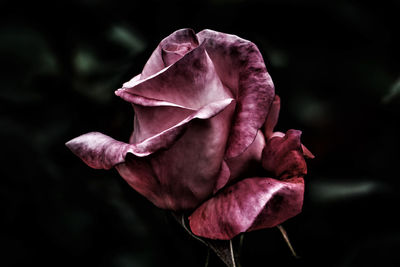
(283, 155)
(272, 117)
(248, 80)
(251, 204)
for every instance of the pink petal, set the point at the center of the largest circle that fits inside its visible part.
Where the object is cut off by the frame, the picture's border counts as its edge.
(272, 117)
(191, 82)
(250, 204)
(247, 164)
(99, 151)
(138, 173)
(223, 177)
(241, 68)
(193, 168)
(170, 50)
(283, 156)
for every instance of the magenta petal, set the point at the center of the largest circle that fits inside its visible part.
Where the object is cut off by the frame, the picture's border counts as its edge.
(191, 169)
(241, 68)
(247, 164)
(170, 50)
(272, 117)
(223, 177)
(191, 82)
(283, 156)
(138, 173)
(250, 204)
(166, 138)
(99, 151)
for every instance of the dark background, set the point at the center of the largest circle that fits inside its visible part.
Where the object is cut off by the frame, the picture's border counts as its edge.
(335, 66)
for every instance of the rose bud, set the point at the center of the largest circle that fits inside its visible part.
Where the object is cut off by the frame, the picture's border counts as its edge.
(203, 141)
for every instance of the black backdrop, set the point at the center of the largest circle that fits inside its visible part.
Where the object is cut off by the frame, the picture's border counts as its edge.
(335, 66)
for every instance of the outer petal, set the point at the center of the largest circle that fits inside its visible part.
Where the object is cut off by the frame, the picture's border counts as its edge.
(250, 204)
(241, 68)
(283, 155)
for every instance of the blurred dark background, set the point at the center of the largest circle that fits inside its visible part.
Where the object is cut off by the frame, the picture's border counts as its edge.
(335, 66)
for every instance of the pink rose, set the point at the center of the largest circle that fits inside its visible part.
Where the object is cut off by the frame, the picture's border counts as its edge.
(203, 139)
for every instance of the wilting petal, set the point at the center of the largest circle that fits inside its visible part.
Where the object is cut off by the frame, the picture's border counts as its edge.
(241, 68)
(283, 155)
(250, 204)
(170, 49)
(192, 168)
(248, 163)
(272, 117)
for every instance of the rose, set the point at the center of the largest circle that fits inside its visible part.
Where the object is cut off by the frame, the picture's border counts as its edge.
(203, 139)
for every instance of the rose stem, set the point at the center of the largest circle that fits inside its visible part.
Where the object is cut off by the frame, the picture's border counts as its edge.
(232, 253)
(285, 236)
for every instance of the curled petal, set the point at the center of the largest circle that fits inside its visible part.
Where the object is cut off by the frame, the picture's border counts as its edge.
(247, 164)
(193, 168)
(223, 177)
(253, 203)
(241, 68)
(191, 82)
(272, 117)
(99, 151)
(169, 51)
(283, 155)
(138, 173)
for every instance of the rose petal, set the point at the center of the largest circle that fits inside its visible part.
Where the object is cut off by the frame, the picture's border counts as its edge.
(99, 151)
(138, 173)
(241, 68)
(191, 82)
(272, 117)
(223, 177)
(165, 53)
(250, 204)
(247, 164)
(179, 43)
(192, 168)
(283, 156)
